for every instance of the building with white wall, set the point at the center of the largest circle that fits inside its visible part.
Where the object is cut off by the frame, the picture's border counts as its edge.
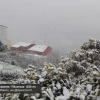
(3, 37)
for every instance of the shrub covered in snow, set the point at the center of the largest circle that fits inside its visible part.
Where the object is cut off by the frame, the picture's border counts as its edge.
(78, 61)
(16, 59)
(54, 82)
(57, 84)
(77, 77)
(8, 75)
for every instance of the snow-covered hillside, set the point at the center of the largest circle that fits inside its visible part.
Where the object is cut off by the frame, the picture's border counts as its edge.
(9, 72)
(16, 59)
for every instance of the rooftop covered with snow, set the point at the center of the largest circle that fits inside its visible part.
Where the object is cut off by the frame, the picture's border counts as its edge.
(39, 48)
(21, 44)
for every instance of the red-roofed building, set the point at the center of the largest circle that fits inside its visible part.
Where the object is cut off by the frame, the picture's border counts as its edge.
(21, 46)
(31, 48)
(40, 50)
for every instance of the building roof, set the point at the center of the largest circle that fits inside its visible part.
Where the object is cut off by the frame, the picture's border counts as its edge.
(39, 48)
(4, 26)
(21, 44)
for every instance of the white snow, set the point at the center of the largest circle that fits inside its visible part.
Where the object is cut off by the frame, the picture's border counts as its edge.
(95, 73)
(90, 52)
(78, 90)
(14, 97)
(21, 44)
(98, 98)
(61, 98)
(66, 92)
(50, 93)
(39, 48)
(45, 93)
(95, 67)
(41, 80)
(44, 73)
(58, 85)
(82, 97)
(4, 67)
(33, 97)
(89, 87)
(1, 66)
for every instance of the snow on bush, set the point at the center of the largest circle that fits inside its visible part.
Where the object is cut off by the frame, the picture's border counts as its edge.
(16, 59)
(77, 77)
(9, 72)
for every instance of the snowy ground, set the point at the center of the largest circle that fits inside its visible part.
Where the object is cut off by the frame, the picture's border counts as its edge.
(1, 66)
(7, 68)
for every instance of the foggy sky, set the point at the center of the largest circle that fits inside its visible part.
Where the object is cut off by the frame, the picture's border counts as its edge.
(61, 24)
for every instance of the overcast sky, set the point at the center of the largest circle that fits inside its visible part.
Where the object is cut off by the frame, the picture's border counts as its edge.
(61, 24)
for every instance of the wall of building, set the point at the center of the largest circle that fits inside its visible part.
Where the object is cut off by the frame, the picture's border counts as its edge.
(3, 34)
(8, 44)
(47, 51)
